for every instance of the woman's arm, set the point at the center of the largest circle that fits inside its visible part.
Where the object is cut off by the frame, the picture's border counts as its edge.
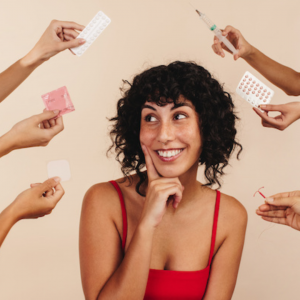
(105, 273)
(225, 265)
(283, 77)
(33, 203)
(58, 36)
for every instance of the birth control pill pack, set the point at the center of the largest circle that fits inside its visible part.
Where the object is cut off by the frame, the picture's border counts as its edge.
(92, 31)
(254, 91)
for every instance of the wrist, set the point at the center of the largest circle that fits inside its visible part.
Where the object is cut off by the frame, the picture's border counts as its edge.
(31, 61)
(10, 215)
(7, 144)
(145, 228)
(250, 54)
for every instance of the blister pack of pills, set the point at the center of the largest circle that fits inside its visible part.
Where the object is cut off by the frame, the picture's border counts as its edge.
(58, 100)
(91, 32)
(254, 91)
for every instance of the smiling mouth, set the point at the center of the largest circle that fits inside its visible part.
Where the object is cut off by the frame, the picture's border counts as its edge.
(170, 154)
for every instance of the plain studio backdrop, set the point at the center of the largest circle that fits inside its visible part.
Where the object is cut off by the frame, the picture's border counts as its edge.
(39, 259)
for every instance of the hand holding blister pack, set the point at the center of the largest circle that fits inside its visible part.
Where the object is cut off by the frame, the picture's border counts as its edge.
(254, 91)
(91, 32)
(59, 100)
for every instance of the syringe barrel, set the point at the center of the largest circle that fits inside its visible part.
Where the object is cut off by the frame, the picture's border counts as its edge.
(224, 40)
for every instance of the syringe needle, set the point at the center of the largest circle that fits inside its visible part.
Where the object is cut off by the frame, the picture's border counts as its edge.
(198, 12)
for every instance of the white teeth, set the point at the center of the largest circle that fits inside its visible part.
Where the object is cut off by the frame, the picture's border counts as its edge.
(170, 153)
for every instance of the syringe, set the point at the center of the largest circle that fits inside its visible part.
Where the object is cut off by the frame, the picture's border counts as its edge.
(217, 32)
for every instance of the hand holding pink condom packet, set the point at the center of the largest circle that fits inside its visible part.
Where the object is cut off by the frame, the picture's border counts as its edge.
(59, 100)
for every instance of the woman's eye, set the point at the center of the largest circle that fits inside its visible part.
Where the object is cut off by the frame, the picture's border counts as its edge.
(150, 119)
(179, 117)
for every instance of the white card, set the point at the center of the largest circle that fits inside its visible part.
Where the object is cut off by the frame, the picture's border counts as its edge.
(60, 168)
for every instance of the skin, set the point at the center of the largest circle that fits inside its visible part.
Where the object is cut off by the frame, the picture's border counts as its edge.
(282, 208)
(35, 131)
(58, 37)
(33, 203)
(283, 77)
(164, 226)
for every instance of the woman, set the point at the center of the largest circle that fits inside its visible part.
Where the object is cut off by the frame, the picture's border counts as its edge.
(161, 234)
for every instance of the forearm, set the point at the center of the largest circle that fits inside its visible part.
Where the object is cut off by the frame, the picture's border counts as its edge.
(130, 279)
(283, 77)
(12, 77)
(6, 144)
(7, 220)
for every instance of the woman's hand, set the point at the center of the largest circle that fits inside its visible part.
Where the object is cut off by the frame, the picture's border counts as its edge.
(236, 39)
(35, 131)
(282, 208)
(160, 192)
(58, 37)
(39, 200)
(289, 113)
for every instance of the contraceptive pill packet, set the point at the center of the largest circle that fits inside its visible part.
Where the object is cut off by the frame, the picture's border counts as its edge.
(59, 100)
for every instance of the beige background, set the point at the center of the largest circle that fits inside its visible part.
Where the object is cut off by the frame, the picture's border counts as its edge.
(39, 259)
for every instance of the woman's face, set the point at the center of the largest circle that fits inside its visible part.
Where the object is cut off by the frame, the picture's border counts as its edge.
(172, 135)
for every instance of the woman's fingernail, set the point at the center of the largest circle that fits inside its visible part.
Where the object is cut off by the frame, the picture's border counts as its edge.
(56, 111)
(57, 179)
(270, 199)
(81, 41)
(262, 106)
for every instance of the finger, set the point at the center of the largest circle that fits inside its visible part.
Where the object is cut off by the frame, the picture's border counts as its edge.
(52, 122)
(58, 194)
(48, 184)
(281, 195)
(46, 125)
(34, 184)
(70, 32)
(281, 201)
(41, 125)
(70, 44)
(58, 127)
(273, 214)
(271, 107)
(68, 38)
(268, 207)
(266, 118)
(151, 171)
(71, 25)
(230, 29)
(176, 194)
(46, 115)
(275, 220)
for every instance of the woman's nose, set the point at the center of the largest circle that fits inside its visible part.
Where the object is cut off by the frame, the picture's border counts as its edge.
(166, 133)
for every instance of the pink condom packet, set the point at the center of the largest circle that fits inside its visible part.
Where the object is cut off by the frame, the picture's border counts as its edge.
(59, 100)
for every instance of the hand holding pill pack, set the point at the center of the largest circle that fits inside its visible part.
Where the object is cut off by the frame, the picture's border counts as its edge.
(254, 91)
(91, 32)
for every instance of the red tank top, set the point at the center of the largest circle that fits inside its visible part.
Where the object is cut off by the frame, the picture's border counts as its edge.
(167, 284)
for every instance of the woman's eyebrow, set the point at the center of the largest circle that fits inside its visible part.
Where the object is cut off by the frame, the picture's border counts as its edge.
(181, 104)
(148, 106)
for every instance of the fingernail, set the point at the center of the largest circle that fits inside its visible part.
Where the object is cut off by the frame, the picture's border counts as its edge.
(57, 179)
(270, 199)
(222, 54)
(56, 111)
(81, 41)
(262, 106)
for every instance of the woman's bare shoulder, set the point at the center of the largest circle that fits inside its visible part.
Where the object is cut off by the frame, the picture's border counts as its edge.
(232, 210)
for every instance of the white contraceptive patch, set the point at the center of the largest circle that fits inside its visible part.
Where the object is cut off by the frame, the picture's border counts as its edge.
(60, 168)
(254, 91)
(91, 32)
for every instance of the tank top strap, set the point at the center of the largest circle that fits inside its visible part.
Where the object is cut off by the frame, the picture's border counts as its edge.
(214, 230)
(124, 215)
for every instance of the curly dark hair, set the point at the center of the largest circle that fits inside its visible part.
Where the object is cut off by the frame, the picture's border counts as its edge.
(163, 85)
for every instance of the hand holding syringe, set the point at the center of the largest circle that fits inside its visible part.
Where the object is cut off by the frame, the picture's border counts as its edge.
(217, 32)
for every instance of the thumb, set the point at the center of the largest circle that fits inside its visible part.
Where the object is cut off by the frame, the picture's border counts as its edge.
(46, 115)
(281, 201)
(71, 44)
(48, 184)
